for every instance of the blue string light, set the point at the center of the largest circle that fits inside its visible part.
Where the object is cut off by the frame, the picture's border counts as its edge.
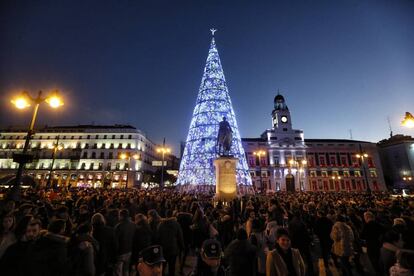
(213, 103)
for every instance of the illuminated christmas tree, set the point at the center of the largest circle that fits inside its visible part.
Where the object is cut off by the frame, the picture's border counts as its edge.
(213, 103)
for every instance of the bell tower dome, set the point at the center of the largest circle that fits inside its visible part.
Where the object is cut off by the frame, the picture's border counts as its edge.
(280, 115)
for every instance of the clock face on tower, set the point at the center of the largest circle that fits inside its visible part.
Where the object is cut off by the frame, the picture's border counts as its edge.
(284, 119)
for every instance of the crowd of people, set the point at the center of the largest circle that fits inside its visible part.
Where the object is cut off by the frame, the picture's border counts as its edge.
(167, 232)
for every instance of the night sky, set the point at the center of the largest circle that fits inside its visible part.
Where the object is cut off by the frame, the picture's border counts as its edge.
(340, 64)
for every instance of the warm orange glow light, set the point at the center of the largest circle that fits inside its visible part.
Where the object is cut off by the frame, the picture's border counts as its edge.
(21, 102)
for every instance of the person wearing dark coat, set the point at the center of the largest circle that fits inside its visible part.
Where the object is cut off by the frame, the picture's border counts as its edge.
(170, 237)
(323, 228)
(14, 260)
(49, 254)
(392, 243)
(240, 254)
(82, 250)
(185, 221)
(372, 233)
(142, 238)
(124, 233)
(105, 236)
(301, 239)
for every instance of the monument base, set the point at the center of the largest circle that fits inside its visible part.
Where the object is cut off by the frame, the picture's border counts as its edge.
(226, 186)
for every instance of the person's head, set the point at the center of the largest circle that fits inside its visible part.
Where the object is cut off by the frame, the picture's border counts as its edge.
(8, 223)
(241, 234)
(140, 219)
(224, 119)
(211, 253)
(62, 213)
(57, 226)
(406, 259)
(282, 238)
(98, 219)
(150, 261)
(256, 225)
(33, 230)
(153, 215)
(392, 236)
(124, 214)
(84, 228)
(369, 216)
(252, 214)
(83, 209)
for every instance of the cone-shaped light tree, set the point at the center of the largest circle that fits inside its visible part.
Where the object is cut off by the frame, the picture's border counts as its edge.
(213, 103)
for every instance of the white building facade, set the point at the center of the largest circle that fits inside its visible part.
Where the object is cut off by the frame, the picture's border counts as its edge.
(86, 155)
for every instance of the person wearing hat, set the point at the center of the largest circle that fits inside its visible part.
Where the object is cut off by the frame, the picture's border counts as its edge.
(208, 263)
(151, 261)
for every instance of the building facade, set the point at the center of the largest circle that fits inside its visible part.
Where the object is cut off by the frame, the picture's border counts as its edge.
(84, 155)
(397, 156)
(292, 163)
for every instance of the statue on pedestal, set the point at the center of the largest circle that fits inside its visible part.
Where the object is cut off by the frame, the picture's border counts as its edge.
(224, 138)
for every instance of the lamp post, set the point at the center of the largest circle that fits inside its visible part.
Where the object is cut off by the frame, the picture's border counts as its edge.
(56, 147)
(128, 156)
(301, 168)
(408, 120)
(163, 150)
(23, 101)
(260, 154)
(362, 156)
(336, 178)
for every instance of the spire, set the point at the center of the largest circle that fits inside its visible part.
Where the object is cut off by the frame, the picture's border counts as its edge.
(213, 103)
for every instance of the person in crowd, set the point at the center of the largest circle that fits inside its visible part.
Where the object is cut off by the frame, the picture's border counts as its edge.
(343, 241)
(249, 222)
(392, 243)
(105, 236)
(372, 233)
(14, 260)
(153, 221)
(7, 236)
(209, 260)
(151, 261)
(124, 233)
(258, 239)
(404, 265)
(170, 237)
(301, 239)
(142, 238)
(323, 229)
(284, 260)
(49, 253)
(185, 220)
(82, 249)
(240, 254)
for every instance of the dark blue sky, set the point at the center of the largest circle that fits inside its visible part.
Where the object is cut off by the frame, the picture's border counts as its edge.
(340, 64)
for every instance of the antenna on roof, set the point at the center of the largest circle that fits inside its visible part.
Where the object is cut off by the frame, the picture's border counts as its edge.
(350, 134)
(389, 125)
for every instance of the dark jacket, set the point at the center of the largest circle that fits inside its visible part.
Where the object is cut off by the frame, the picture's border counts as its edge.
(49, 255)
(241, 257)
(372, 233)
(82, 250)
(14, 260)
(388, 257)
(142, 239)
(106, 255)
(124, 232)
(323, 228)
(299, 234)
(170, 237)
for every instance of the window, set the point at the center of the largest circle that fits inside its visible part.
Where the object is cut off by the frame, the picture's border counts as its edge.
(96, 136)
(111, 155)
(117, 166)
(357, 173)
(122, 136)
(373, 173)
(91, 166)
(100, 166)
(88, 137)
(102, 155)
(129, 146)
(344, 161)
(83, 166)
(346, 173)
(108, 166)
(95, 145)
(85, 155)
(322, 161)
(111, 146)
(86, 146)
(93, 155)
(332, 160)
(113, 136)
(129, 136)
(312, 173)
(105, 136)
(324, 174)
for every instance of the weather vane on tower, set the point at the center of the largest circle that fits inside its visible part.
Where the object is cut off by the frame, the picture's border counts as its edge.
(213, 31)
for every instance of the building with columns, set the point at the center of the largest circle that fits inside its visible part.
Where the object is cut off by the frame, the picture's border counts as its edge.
(281, 159)
(84, 155)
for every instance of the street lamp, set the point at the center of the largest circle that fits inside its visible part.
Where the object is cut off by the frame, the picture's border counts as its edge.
(362, 156)
(56, 147)
(128, 156)
(259, 154)
(408, 120)
(301, 168)
(23, 101)
(163, 150)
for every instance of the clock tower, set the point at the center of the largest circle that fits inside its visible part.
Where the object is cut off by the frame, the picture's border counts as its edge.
(280, 115)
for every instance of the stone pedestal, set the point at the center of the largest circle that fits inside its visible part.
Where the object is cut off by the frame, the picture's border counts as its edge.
(226, 186)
